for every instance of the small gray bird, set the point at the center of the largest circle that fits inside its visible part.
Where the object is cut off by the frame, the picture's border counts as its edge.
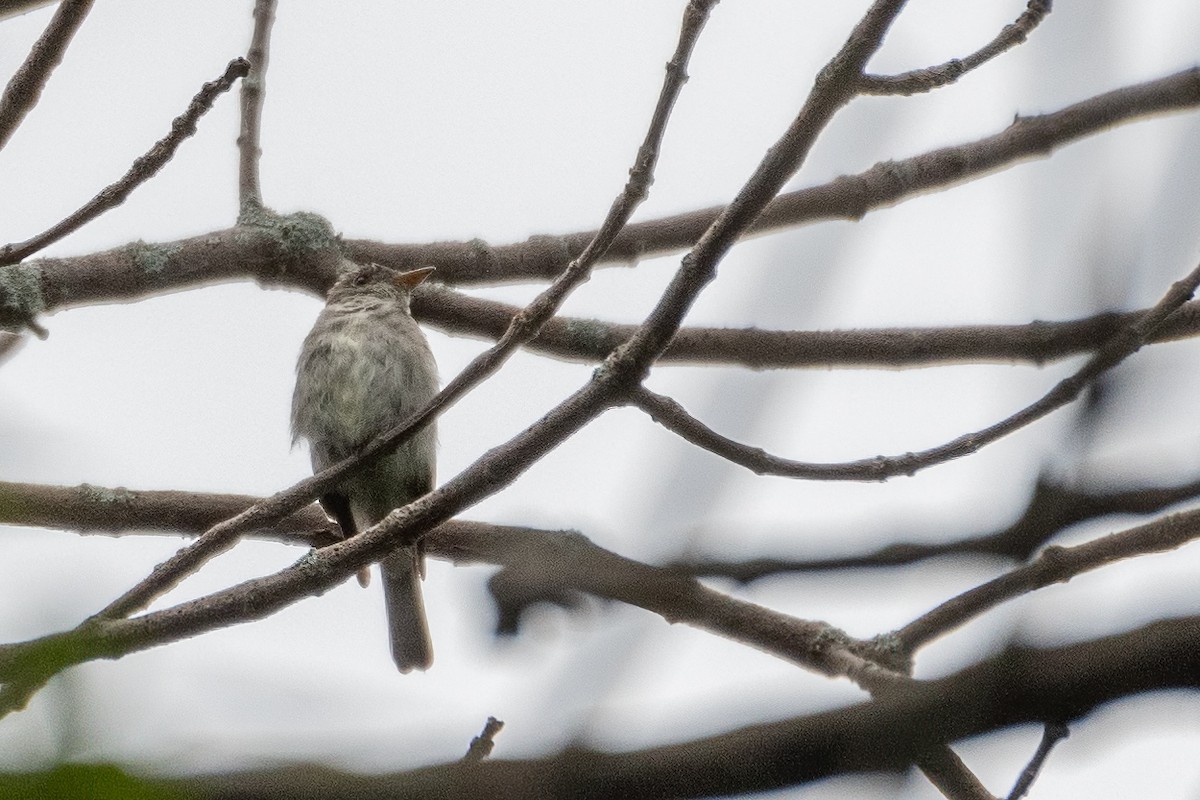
(363, 368)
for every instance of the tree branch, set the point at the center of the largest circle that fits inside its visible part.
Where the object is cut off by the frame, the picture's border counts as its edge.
(271, 251)
(924, 80)
(118, 511)
(562, 558)
(540, 558)
(1055, 565)
(590, 340)
(1053, 733)
(482, 745)
(848, 197)
(254, 87)
(24, 89)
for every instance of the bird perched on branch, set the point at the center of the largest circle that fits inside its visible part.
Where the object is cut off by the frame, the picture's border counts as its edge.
(364, 367)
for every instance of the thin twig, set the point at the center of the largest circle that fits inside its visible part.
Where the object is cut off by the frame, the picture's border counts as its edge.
(524, 326)
(1121, 345)
(482, 745)
(25, 88)
(253, 92)
(1056, 564)
(1053, 733)
(924, 80)
(142, 170)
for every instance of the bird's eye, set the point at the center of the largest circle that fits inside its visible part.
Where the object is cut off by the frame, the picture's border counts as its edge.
(361, 279)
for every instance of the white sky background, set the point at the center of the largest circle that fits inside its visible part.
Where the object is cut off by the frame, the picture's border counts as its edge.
(426, 121)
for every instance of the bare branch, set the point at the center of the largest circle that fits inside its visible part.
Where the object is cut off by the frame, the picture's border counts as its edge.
(1055, 565)
(117, 511)
(590, 340)
(25, 88)
(142, 170)
(950, 776)
(924, 80)
(253, 92)
(849, 197)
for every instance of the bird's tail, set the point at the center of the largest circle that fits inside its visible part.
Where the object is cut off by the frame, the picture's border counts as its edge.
(411, 647)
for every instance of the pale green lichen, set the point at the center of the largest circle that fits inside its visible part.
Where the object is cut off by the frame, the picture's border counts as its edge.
(888, 650)
(829, 637)
(152, 258)
(299, 234)
(103, 495)
(588, 337)
(21, 296)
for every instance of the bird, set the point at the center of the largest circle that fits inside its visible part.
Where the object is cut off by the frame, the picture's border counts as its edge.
(363, 368)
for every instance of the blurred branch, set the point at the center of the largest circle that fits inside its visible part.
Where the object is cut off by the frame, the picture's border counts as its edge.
(1052, 508)
(924, 80)
(889, 733)
(1120, 346)
(523, 327)
(9, 342)
(950, 776)
(1055, 564)
(13, 8)
(141, 171)
(848, 197)
(24, 89)
(253, 92)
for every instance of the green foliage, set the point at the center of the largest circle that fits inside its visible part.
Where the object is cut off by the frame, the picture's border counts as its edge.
(90, 781)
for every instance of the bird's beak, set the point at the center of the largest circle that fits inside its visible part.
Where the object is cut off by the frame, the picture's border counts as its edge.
(413, 278)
